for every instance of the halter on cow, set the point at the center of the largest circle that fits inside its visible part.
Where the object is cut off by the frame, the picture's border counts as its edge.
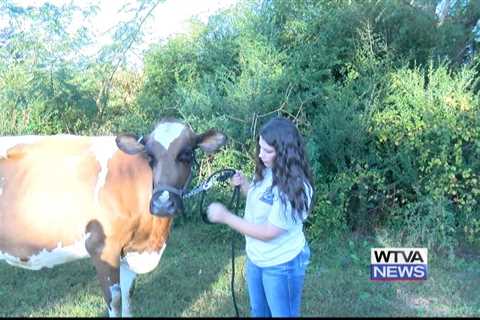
(66, 197)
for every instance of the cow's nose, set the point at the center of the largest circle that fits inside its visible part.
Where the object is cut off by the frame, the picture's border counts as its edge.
(162, 205)
(158, 207)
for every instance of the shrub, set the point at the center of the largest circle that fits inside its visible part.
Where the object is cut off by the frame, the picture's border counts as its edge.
(427, 135)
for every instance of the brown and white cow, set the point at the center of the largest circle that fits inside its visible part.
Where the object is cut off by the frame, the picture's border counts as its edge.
(67, 197)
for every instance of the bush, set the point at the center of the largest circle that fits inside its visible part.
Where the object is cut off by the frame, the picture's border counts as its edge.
(427, 135)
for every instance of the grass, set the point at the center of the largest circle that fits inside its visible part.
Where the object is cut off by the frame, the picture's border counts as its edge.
(193, 280)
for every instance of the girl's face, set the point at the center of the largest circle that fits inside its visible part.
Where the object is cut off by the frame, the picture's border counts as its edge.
(267, 153)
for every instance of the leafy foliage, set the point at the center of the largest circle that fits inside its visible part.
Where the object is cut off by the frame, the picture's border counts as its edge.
(385, 93)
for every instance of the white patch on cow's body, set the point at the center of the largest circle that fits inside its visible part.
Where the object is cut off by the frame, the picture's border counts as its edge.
(165, 133)
(103, 148)
(2, 183)
(127, 276)
(115, 294)
(143, 262)
(50, 258)
(72, 163)
(8, 142)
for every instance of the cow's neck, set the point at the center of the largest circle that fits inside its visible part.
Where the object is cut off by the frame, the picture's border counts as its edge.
(151, 235)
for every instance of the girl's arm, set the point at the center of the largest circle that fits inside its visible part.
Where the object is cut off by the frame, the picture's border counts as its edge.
(217, 213)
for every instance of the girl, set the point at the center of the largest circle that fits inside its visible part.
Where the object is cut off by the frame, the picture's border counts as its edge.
(278, 202)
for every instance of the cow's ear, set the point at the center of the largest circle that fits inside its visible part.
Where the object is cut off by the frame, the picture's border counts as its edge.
(211, 141)
(130, 144)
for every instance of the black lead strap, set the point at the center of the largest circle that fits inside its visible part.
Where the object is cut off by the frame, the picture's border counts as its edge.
(220, 176)
(235, 199)
(223, 175)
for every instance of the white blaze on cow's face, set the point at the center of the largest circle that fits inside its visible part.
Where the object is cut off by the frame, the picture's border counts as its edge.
(166, 133)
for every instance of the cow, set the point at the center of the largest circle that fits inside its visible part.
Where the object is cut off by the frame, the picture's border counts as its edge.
(111, 199)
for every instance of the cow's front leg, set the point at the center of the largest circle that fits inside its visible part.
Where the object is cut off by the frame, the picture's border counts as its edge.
(108, 274)
(105, 255)
(127, 278)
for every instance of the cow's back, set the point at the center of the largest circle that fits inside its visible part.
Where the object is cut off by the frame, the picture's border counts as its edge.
(51, 188)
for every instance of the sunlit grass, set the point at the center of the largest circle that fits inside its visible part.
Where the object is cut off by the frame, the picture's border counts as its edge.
(218, 297)
(193, 280)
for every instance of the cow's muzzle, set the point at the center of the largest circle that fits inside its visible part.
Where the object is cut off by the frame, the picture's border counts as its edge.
(166, 202)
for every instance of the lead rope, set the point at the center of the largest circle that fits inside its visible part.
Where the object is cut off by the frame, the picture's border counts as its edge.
(228, 173)
(236, 199)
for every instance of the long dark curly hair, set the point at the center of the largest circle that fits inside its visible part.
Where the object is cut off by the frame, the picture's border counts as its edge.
(290, 169)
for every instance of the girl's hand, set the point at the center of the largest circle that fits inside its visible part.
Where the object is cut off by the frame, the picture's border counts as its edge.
(238, 179)
(216, 212)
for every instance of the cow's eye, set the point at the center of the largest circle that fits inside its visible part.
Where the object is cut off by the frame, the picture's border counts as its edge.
(185, 156)
(152, 161)
(150, 157)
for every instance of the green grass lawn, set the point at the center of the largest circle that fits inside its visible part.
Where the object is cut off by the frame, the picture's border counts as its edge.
(193, 280)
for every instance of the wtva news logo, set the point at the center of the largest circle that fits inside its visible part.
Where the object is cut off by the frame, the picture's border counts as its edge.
(398, 264)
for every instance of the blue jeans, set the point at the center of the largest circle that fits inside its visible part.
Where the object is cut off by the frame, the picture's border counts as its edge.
(277, 291)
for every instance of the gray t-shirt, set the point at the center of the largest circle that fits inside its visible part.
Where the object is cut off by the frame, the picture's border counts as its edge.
(264, 206)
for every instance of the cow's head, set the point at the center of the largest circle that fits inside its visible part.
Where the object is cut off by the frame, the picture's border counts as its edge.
(170, 148)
